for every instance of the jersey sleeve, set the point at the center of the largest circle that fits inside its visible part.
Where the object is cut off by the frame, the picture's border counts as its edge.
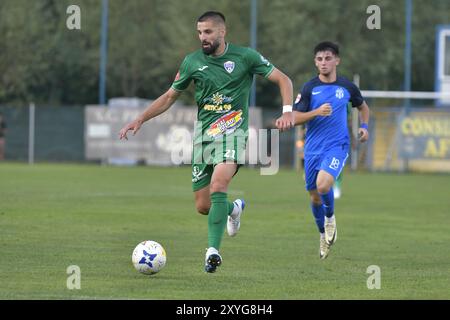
(355, 96)
(183, 77)
(302, 101)
(258, 64)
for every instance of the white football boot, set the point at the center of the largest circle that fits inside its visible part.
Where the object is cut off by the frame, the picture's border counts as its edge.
(330, 230)
(234, 219)
(324, 248)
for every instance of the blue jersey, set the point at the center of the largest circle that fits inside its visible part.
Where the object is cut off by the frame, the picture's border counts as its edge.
(326, 132)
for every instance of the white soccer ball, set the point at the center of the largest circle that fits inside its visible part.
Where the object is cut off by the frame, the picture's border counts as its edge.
(149, 257)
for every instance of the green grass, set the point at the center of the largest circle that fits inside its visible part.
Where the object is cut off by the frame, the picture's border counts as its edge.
(53, 216)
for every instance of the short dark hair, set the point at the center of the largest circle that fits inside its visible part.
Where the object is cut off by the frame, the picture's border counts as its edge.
(212, 15)
(327, 46)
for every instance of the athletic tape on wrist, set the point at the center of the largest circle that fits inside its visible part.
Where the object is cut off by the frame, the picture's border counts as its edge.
(287, 108)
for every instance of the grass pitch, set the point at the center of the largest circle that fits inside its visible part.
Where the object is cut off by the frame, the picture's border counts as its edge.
(53, 216)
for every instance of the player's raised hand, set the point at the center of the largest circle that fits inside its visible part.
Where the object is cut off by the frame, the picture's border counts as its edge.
(324, 110)
(134, 126)
(286, 121)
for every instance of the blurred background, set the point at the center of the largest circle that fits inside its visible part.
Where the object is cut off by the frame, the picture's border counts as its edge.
(64, 93)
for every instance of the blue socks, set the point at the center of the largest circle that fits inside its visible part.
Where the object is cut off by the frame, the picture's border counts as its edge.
(319, 215)
(326, 209)
(328, 203)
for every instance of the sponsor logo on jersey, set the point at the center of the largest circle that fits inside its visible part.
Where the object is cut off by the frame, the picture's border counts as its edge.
(339, 93)
(177, 77)
(297, 100)
(226, 124)
(229, 66)
(315, 92)
(218, 103)
(202, 68)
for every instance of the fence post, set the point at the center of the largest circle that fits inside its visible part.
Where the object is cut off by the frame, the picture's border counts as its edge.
(31, 134)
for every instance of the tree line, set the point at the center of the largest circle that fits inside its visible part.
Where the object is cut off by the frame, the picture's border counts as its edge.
(41, 60)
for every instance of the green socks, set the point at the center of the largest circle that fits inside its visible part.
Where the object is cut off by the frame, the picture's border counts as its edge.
(217, 218)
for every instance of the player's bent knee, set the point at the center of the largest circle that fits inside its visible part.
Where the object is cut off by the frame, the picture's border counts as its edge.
(323, 188)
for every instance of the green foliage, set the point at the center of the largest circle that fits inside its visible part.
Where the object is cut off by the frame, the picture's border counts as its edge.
(42, 61)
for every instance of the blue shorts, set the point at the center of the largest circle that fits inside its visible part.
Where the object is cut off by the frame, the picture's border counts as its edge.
(331, 161)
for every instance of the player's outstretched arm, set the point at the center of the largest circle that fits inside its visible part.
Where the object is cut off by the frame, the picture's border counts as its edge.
(160, 105)
(286, 121)
(302, 117)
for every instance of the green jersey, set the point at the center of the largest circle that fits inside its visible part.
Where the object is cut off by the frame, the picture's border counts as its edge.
(222, 87)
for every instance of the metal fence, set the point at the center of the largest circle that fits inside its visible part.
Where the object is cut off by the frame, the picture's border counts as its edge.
(401, 139)
(58, 133)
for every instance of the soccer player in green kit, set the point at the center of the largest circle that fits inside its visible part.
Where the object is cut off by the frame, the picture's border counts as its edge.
(222, 74)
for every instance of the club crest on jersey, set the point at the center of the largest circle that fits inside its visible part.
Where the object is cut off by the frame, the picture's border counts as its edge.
(339, 93)
(229, 66)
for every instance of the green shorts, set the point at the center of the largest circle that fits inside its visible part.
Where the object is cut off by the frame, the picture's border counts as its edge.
(207, 155)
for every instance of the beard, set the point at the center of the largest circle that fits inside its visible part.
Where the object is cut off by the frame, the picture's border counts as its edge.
(211, 48)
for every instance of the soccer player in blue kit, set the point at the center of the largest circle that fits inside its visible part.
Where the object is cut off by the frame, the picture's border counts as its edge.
(322, 105)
